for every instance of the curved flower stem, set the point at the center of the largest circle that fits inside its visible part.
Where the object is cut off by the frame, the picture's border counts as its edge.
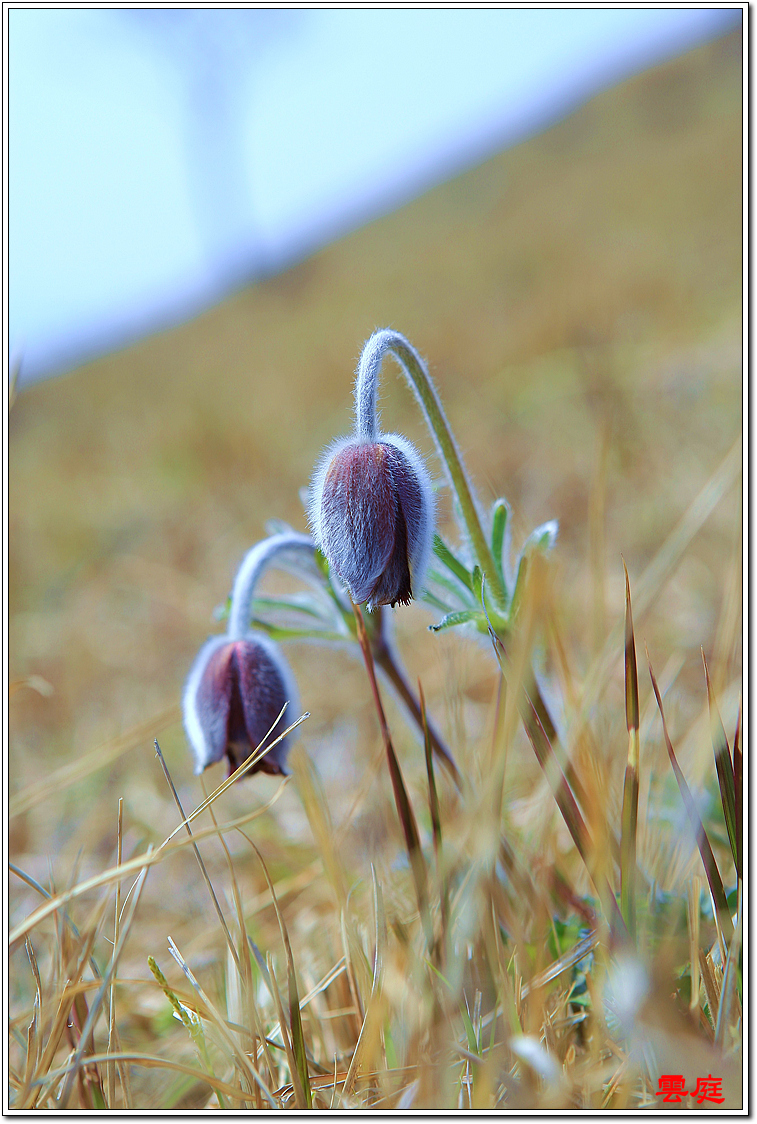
(366, 426)
(253, 564)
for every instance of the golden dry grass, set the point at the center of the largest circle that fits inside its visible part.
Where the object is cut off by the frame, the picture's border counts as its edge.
(579, 300)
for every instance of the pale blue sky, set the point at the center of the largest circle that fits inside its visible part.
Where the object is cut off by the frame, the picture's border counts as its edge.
(156, 156)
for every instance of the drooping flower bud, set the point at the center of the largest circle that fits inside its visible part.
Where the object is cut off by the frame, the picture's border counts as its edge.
(233, 696)
(372, 513)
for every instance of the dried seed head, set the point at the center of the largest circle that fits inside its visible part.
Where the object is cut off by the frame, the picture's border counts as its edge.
(372, 514)
(233, 696)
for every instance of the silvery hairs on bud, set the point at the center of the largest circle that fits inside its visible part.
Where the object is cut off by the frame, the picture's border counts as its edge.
(233, 702)
(240, 681)
(371, 504)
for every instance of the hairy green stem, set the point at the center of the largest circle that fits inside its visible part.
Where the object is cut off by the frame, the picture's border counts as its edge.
(420, 381)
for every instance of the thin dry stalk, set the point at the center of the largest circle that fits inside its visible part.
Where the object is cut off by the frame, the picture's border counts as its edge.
(631, 780)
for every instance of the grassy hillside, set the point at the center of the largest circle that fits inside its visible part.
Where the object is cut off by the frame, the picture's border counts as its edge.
(578, 298)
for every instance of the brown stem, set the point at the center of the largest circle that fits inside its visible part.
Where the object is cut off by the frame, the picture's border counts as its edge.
(385, 658)
(401, 799)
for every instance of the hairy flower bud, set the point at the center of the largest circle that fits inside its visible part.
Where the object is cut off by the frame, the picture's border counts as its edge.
(372, 514)
(233, 696)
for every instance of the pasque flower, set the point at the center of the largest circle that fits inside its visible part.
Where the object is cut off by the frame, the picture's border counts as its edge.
(371, 504)
(372, 515)
(234, 695)
(240, 682)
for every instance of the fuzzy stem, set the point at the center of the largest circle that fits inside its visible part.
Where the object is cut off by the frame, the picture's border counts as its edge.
(366, 427)
(253, 564)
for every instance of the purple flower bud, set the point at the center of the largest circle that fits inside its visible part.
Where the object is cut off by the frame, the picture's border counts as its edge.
(372, 514)
(233, 696)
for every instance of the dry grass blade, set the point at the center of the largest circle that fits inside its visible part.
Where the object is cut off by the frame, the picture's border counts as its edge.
(316, 807)
(371, 1020)
(631, 780)
(386, 660)
(297, 1087)
(240, 771)
(436, 820)
(694, 891)
(295, 1046)
(102, 991)
(54, 782)
(238, 1059)
(151, 1062)
(532, 708)
(243, 977)
(113, 874)
(738, 783)
(198, 856)
(661, 568)
(573, 819)
(33, 1046)
(724, 766)
(60, 1023)
(114, 1043)
(112, 1013)
(730, 979)
(708, 859)
(190, 1019)
(711, 987)
(571, 957)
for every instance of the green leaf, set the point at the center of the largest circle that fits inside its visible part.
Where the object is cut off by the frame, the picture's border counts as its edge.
(500, 524)
(445, 555)
(542, 538)
(435, 602)
(452, 587)
(460, 616)
(279, 632)
(294, 603)
(221, 612)
(520, 585)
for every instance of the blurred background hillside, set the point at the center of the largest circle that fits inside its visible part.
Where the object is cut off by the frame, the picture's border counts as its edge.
(578, 297)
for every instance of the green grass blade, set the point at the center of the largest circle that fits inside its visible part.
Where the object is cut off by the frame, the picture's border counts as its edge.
(631, 780)
(298, 1060)
(298, 1039)
(714, 880)
(728, 991)
(724, 766)
(470, 1033)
